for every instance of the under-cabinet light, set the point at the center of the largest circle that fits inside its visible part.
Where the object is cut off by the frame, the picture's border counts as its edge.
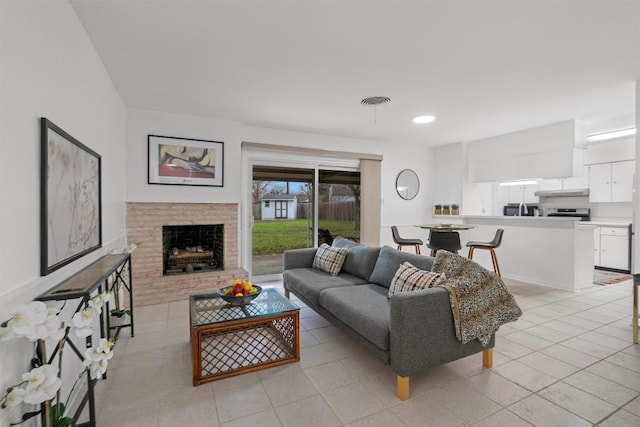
(611, 135)
(509, 183)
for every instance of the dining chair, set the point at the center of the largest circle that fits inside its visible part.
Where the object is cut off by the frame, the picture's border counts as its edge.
(490, 246)
(405, 242)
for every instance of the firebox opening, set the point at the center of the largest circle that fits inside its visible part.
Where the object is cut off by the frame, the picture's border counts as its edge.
(192, 248)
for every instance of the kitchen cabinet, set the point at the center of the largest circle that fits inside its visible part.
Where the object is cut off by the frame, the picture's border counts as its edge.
(516, 193)
(612, 247)
(611, 182)
(596, 246)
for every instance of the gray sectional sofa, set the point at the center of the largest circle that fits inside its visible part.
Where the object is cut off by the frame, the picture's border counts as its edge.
(410, 331)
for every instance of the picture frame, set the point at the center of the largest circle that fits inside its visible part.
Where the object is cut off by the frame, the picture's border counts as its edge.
(185, 161)
(70, 198)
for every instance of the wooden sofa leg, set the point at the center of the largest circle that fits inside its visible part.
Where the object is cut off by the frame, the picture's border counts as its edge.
(402, 387)
(487, 358)
(286, 293)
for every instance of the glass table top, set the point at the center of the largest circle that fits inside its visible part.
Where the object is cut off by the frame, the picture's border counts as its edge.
(207, 309)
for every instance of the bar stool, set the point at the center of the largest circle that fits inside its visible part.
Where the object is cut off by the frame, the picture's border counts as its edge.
(405, 242)
(490, 246)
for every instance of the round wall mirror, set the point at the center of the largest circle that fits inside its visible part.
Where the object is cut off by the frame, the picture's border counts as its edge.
(407, 184)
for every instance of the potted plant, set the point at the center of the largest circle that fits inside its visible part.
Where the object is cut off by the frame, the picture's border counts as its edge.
(455, 210)
(446, 210)
(116, 283)
(119, 312)
(437, 209)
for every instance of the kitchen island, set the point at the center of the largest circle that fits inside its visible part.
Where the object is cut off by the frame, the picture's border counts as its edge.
(549, 251)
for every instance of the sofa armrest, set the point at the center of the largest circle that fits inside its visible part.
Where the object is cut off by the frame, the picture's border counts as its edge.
(298, 258)
(423, 332)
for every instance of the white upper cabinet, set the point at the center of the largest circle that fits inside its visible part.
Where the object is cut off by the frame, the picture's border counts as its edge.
(611, 182)
(622, 181)
(518, 192)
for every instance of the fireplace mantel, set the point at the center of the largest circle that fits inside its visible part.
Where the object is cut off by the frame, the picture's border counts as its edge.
(144, 225)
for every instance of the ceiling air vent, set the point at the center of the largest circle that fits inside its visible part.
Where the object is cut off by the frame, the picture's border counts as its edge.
(374, 101)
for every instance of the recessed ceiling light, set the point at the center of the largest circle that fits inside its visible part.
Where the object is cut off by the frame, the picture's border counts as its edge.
(423, 119)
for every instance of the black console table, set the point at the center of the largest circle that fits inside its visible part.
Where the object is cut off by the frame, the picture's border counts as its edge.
(108, 273)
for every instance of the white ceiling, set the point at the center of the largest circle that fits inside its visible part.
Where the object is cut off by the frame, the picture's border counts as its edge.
(481, 67)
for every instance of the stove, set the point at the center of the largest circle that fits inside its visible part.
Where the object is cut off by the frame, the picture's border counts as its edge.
(583, 213)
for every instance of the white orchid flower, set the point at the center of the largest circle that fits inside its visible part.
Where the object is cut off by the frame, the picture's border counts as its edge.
(38, 332)
(96, 303)
(97, 358)
(93, 354)
(6, 333)
(54, 325)
(105, 346)
(25, 317)
(82, 322)
(98, 368)
(107, 297)
(42, 384)
(15, 396)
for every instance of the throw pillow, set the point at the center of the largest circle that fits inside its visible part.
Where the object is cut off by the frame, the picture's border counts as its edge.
(410, 278)
(329, 259)
(388, 262)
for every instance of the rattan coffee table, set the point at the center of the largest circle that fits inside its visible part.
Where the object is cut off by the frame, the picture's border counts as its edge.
(228, 339)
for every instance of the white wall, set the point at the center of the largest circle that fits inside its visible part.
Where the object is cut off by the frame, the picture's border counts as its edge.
(396, 157)
(450, 169)
(48, 68)
(141, 123)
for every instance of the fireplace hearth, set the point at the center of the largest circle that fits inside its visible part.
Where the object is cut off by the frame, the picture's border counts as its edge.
(192, 248)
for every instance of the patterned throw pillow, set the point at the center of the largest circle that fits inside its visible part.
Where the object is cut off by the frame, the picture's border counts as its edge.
(410, 278)
(329, 259)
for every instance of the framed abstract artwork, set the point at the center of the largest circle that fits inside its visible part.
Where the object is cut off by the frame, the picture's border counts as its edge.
(70, 198)
(184, 161)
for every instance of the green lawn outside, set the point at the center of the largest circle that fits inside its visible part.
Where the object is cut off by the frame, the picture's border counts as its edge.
(276, 236)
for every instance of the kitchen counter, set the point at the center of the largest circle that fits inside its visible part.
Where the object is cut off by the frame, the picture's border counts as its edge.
(598, 223)
(525, 221)
(549, 251)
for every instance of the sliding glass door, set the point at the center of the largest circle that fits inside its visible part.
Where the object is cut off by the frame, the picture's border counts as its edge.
(282, 204)
(338, 205)
(300, 207)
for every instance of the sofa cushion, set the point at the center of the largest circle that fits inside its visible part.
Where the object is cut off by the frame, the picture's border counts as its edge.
(363, 308)
(410, 278)
(309, 282)
(343, 242)
(390, 260)
(360, 258)
(329, 259)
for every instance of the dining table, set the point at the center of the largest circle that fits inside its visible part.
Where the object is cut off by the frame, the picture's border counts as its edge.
(444, 236)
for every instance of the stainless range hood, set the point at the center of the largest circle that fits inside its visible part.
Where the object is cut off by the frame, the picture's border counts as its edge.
(578, 192)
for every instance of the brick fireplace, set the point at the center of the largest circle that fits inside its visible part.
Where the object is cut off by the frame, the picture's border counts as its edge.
(145, 222)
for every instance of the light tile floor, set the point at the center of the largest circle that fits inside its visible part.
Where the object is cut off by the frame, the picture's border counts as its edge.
(569, 361)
